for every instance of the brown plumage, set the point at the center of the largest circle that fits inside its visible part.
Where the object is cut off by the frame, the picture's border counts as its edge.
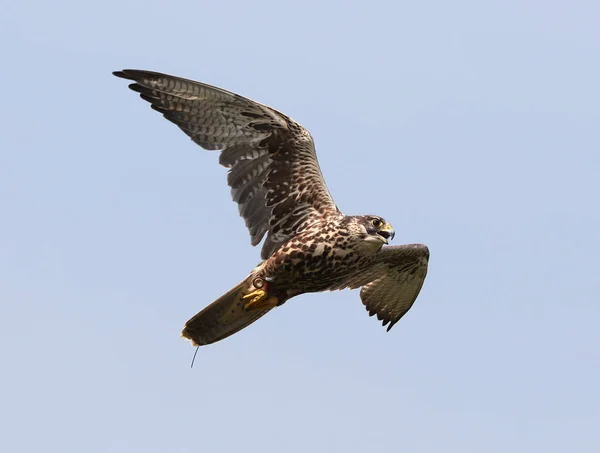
(310, 246)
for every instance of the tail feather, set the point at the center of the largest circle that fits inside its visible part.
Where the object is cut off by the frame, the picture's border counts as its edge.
(224, 317)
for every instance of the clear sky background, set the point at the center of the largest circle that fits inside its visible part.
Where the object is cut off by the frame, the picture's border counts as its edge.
(473, 127)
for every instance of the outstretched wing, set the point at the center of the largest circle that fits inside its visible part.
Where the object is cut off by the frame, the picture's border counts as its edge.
(274, 174)
(393, 282)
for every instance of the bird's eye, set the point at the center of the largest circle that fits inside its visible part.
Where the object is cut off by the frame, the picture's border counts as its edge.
(376, 223)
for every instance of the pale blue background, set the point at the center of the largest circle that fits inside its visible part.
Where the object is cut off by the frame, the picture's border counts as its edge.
(472, 126)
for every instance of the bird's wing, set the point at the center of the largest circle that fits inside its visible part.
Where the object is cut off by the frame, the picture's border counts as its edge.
(391, 285)
(274, 174)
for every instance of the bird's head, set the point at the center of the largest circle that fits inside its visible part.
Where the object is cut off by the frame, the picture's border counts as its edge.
(368, 232)
(378, 228)
(371, 231)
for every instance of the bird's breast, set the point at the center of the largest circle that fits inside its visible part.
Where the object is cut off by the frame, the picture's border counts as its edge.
(314, 263)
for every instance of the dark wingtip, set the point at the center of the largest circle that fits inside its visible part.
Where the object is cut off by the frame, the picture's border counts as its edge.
(138, 88)
(139, 74)
(426, 250)
(121, 74)
(134, 74)
(392, 324)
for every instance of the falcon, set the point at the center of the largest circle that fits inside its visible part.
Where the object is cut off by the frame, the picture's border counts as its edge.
(309, 245)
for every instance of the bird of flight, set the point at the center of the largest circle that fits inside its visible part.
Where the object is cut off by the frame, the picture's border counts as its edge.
(275, 179)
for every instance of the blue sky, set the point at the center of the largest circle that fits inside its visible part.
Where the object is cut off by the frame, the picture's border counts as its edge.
(471, 126)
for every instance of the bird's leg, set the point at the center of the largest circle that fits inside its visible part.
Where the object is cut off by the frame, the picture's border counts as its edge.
(259, 299)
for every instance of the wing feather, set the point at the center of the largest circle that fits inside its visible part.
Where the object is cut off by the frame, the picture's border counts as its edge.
(392, 284)
(274, 174)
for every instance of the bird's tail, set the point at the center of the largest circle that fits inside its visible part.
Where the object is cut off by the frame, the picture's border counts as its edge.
(224, 317)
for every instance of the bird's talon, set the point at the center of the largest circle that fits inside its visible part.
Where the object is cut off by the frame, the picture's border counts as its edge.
(259, 299)
(256, 295)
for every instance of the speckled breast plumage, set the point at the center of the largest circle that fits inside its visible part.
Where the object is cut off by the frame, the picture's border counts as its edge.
(320, 258)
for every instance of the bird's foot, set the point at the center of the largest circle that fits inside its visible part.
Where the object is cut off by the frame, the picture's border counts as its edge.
(259, 299)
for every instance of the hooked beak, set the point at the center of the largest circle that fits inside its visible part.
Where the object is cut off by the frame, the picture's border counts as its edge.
(387, 232)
